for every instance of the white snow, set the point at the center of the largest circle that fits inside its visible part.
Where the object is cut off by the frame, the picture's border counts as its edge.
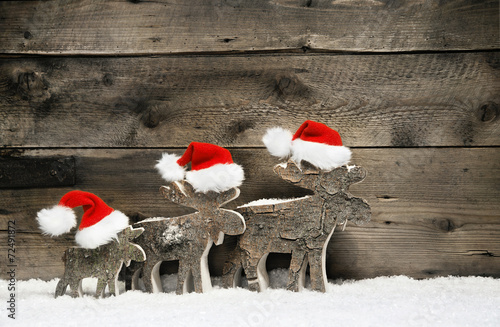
(384, 301)
(173, 235)
(272, 201)
(153, 219)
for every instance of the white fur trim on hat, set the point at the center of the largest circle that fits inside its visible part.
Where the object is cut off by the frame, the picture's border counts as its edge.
(56, 220)
(323, 156)
(103, 231)
(218, 178)
(169, 168)
(278, 142)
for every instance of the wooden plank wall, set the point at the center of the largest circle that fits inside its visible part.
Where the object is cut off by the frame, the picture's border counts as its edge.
(92, 92)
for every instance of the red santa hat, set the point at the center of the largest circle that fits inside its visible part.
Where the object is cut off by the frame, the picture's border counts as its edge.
(99, 224)
(212, 168)
(313, 142)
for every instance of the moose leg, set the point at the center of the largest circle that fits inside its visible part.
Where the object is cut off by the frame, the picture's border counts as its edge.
(201, 277)
(250, 268)
(113, 281)
(231, 268)
(156, 285)
(61, 287)
(262, 275)
(101, 286)
(318, 278)
(135, 279)
(183, 278)
(113, 287)
(76, 287)
(297, 271)
(201, 273)
(151, 276)
(255, 270)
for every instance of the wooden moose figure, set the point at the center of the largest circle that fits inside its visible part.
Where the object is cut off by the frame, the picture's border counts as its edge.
(103, 262)
(104, 237)
(187, 238)
(212, 182)
(302, 227)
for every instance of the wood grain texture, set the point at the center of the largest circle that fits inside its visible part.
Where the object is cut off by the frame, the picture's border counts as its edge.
(372, 100)
(435, 211)
(159, 27)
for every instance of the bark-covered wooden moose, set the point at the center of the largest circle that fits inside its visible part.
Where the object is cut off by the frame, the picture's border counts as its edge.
(212, 182)
(104, 236)
(103, 262)
(302, 227)
(187, 238)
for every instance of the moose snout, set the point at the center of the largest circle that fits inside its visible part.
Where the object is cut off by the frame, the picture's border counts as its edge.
(362, 212)
(165, 190)
(357, 174)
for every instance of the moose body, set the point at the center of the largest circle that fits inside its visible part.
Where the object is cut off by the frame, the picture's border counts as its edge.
(187, 238)
(104, 263)
(302, 227)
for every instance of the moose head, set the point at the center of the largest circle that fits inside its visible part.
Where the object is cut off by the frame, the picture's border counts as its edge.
(127, 250)
(333, 186)
(219, 221)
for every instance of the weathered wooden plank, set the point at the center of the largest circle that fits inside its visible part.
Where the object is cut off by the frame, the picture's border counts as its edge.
(435, 211)
(36, 172)
(417, 182)
(152, 27)
(372, 100)
(415, 250)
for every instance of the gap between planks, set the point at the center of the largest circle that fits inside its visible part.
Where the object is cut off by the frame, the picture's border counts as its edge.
(292, 52)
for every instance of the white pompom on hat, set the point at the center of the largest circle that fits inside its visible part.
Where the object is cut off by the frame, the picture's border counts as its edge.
(99, 224)
(313, 142)
(212, 168)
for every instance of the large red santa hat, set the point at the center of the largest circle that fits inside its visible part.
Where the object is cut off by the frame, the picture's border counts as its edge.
(99, 224)
(212, 168)
(313, 142)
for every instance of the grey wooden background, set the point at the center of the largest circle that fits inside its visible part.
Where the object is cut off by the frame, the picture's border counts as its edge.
(92, 92)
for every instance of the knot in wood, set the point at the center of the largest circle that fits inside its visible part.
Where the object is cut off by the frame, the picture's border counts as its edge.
(290, 86)
(28, 35)
(488, 112)
(107, 79)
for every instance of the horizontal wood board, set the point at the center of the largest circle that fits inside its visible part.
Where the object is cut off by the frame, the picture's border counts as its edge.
(435, 210)
(160, 27)
(406, 100)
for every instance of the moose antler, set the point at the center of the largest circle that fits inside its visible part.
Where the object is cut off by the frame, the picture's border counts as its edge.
(182, 192)
(309, 177)
(305, 176)
(208, 206)
(179, 192)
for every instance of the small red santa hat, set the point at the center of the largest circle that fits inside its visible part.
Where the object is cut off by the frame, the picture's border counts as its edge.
(212, 168)
(99, 224)
(313, 142)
